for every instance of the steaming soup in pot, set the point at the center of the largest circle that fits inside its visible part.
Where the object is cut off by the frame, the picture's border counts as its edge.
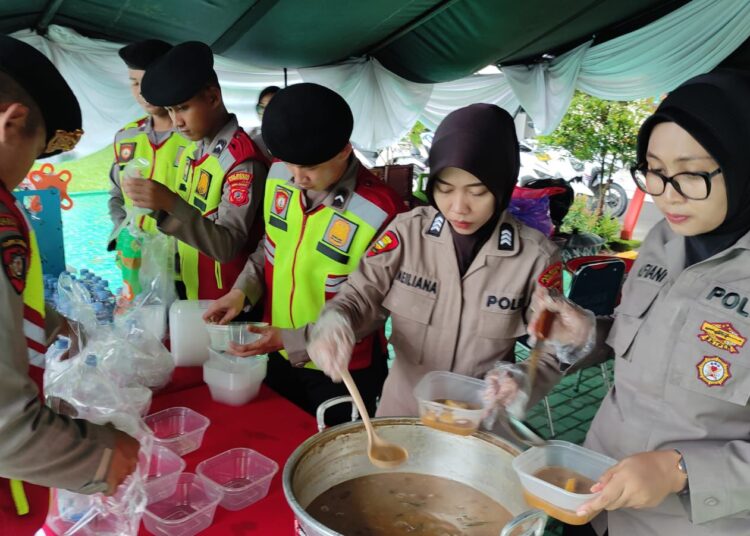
(389, 504)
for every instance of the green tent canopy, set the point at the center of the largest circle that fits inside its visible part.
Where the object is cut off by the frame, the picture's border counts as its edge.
(420, 40)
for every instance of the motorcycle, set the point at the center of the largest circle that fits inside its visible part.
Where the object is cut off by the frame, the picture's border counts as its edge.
(584, 179)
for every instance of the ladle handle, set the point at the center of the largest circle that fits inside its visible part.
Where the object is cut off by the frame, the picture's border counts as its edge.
(352, 387)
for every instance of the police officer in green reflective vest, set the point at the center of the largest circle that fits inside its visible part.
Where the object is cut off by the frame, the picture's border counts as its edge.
(152, 138)
(322, 210)
(220, 175)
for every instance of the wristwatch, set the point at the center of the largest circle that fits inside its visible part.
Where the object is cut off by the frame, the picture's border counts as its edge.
(682, 467)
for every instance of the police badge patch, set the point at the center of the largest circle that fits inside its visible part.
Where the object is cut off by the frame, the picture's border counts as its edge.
(713, 371)
(387, 242)
(15, 255)
(127, 151)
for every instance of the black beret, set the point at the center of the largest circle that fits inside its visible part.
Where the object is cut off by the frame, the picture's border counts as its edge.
(179, 74)
(306, 124)
(141, 54)
(43, 82)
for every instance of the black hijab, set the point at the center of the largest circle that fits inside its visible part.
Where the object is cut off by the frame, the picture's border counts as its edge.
(714, 109)
(479, 139)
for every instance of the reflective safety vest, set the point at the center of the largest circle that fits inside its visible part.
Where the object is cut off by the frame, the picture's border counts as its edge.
(308, 256)
(33, 291)
(201, 184)
(133, 142)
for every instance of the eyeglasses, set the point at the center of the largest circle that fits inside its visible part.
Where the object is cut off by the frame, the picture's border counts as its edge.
(694, 185)
(260, 108)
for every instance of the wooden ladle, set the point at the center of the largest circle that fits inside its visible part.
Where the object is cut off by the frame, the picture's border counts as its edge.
(382, 453)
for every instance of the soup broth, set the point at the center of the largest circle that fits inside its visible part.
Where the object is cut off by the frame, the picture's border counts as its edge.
(408, 503)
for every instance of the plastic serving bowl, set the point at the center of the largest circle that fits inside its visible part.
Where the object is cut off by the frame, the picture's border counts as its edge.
(179, 429)
(189, 510)
(234, 380)
(243, 475)
(454, 390)
(555, 501)
(221, 334)
(163, 472)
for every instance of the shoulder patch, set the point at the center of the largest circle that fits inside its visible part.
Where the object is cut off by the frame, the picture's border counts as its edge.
(239, 187)
(387, 242)
(506, 237)
(552, 276)
(15, 256)
(242, 148)
(436, 227)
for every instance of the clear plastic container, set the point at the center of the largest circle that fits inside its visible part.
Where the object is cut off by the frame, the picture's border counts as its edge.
(187, 331)
(179, 429)
(189, 510)
(554, 500)
(243, 475)
(450, 402)
(234, 380)
(163, 472)
(237, 332)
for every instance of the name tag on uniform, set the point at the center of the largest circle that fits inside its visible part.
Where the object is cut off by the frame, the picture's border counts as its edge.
(416, 282)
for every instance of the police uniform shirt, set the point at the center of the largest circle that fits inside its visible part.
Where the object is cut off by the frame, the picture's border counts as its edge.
(442, 321)
(38, 445)
(225, 233)
(682, 381)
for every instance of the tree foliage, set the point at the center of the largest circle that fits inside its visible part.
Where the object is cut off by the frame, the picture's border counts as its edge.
(601, 131)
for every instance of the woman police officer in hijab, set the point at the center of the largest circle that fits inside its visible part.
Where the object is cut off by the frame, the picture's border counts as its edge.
(677, 416)
(456, 277)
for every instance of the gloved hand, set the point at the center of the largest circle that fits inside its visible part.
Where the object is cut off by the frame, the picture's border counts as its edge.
(330, 344)
(572, 334)
(507, 390)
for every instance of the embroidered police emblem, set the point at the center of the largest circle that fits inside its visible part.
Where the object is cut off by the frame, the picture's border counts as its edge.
(722, 335)
(127, 151)
(239, 187)
(15, 262)
(713, 371)
(436, 227)
(387, 242)
(506, 237)
(340, 233)
(281, 202)
(552, 276)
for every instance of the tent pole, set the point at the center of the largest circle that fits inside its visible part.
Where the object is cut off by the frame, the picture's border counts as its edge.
(53, 6)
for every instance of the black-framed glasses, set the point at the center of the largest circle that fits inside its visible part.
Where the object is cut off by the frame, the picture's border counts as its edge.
(693, 185)
(260, 108)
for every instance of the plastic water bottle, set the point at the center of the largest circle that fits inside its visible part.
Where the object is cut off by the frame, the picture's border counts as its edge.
(72, 506)
(93, 393)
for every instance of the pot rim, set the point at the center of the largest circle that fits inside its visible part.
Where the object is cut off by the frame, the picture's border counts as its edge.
(349, 427)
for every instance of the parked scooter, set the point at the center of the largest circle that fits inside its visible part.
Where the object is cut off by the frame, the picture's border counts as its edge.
(584, 179)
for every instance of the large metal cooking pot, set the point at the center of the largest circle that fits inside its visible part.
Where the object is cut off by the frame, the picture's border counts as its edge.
(482, 461)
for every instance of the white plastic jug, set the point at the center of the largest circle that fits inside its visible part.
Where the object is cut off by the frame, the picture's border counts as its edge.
(188, 335)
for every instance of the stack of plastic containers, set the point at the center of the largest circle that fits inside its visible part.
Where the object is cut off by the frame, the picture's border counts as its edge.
(183, 503)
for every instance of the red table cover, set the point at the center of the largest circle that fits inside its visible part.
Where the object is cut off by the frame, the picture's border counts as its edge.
(269, 424)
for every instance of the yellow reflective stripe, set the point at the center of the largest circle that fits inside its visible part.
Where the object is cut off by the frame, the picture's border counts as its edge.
(33, 294)
(217, 270)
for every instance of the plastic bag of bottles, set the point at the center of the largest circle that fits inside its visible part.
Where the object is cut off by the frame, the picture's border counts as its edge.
(83, 390)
